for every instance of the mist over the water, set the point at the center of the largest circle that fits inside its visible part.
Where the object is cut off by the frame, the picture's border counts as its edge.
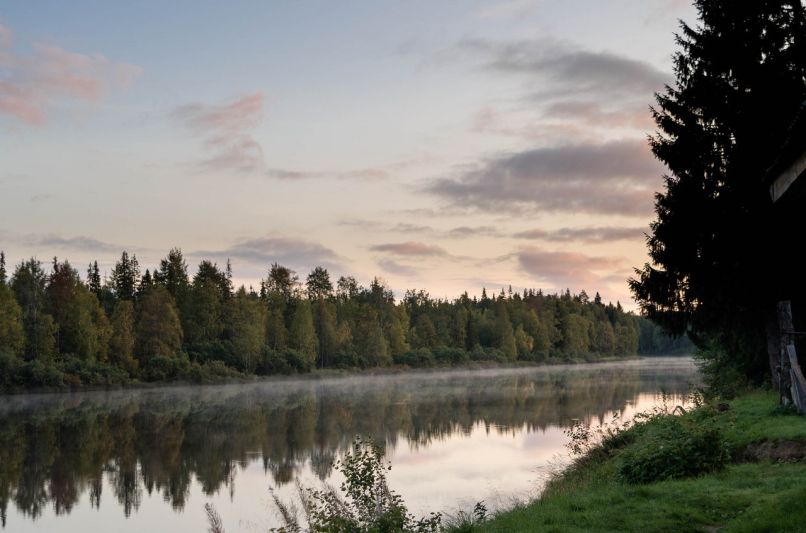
(97, 459)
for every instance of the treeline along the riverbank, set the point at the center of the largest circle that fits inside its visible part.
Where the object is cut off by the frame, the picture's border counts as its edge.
(58, 330)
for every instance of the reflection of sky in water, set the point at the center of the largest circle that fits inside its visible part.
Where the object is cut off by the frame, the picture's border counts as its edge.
(449, 469)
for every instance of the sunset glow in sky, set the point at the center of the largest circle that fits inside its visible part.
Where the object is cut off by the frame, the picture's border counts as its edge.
(438, 145)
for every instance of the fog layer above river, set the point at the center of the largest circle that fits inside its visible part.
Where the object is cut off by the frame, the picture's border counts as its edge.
(104, 456)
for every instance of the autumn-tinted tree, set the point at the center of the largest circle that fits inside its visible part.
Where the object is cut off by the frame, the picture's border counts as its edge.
(158, 330)
(302, 335)
(245, 328)
(739, 82)
(122, 339)
(503, 331)
(12, 334)
(83, 329)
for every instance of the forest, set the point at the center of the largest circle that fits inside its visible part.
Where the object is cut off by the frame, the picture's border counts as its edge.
(58, 330)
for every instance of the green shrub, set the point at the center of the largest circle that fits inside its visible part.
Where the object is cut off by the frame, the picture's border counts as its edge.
(673, 447)
(366, 504)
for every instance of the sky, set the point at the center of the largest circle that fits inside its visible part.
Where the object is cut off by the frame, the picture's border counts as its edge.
(438, 145)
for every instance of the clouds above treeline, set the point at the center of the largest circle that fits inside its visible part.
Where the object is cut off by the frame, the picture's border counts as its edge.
(296, 253)
(584, 234)
(574, 270)
(44, 76)
(613, 178)
(226, 132)
(410, 249)
(565, 68)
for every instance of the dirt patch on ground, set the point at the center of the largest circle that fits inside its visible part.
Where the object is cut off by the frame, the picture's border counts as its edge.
(784, 451)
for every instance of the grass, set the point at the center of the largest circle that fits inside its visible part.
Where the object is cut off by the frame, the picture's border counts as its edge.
(742, 497)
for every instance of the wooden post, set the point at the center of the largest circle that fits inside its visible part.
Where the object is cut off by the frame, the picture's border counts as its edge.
(785, 329)
(773, 346)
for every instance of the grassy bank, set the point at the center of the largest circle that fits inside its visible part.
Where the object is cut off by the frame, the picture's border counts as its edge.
(746, 472)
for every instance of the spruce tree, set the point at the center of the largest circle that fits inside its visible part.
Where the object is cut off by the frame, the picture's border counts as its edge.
(2, 268)
(125, 277)
(739, 82)
(94, 279)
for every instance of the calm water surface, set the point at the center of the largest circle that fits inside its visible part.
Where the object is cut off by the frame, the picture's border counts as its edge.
(150, 460)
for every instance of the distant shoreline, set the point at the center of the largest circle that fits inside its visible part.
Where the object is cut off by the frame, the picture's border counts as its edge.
(331, 373)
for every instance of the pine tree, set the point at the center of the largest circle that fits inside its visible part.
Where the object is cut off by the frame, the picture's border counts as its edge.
(125, 277)
(28, 284)
(94, 279)
(173, 275)
(739, 83)
(2, 268)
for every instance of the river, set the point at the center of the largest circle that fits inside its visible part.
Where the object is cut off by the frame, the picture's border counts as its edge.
(148, 460)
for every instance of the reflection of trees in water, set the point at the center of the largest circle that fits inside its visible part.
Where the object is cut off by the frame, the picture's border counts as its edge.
(54, 450)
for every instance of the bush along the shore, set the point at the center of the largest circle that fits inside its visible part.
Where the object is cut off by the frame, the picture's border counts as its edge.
(735, 466)
(655, 445)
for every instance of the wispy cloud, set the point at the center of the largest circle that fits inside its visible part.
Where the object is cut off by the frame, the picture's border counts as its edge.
(458, 232)
(612, 178)
(34, 82)
(393, 267)
(80, 243)
(298, 254)
(587, 234)
(568, 269)
(226, 131)
(465, 232)
(410, 248)
(565, 68)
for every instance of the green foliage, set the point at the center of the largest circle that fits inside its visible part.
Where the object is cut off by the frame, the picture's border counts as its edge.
(122, 340)
(245, 329)
(670, 447)
(366, 504)
(83, 326)
(760, 496)
(158, 330)
(28, 284)
(125, 278)
(285, 329)
(12, 333)
(721, 375)
(162, 367)
(302, 335)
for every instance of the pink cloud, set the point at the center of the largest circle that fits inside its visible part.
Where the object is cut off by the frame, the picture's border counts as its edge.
(48, 75)
(568, 269)
(226, 132)
(413, 248)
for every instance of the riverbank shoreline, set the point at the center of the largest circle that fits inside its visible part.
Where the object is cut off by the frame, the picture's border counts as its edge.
(760, 487)
(332, 373)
